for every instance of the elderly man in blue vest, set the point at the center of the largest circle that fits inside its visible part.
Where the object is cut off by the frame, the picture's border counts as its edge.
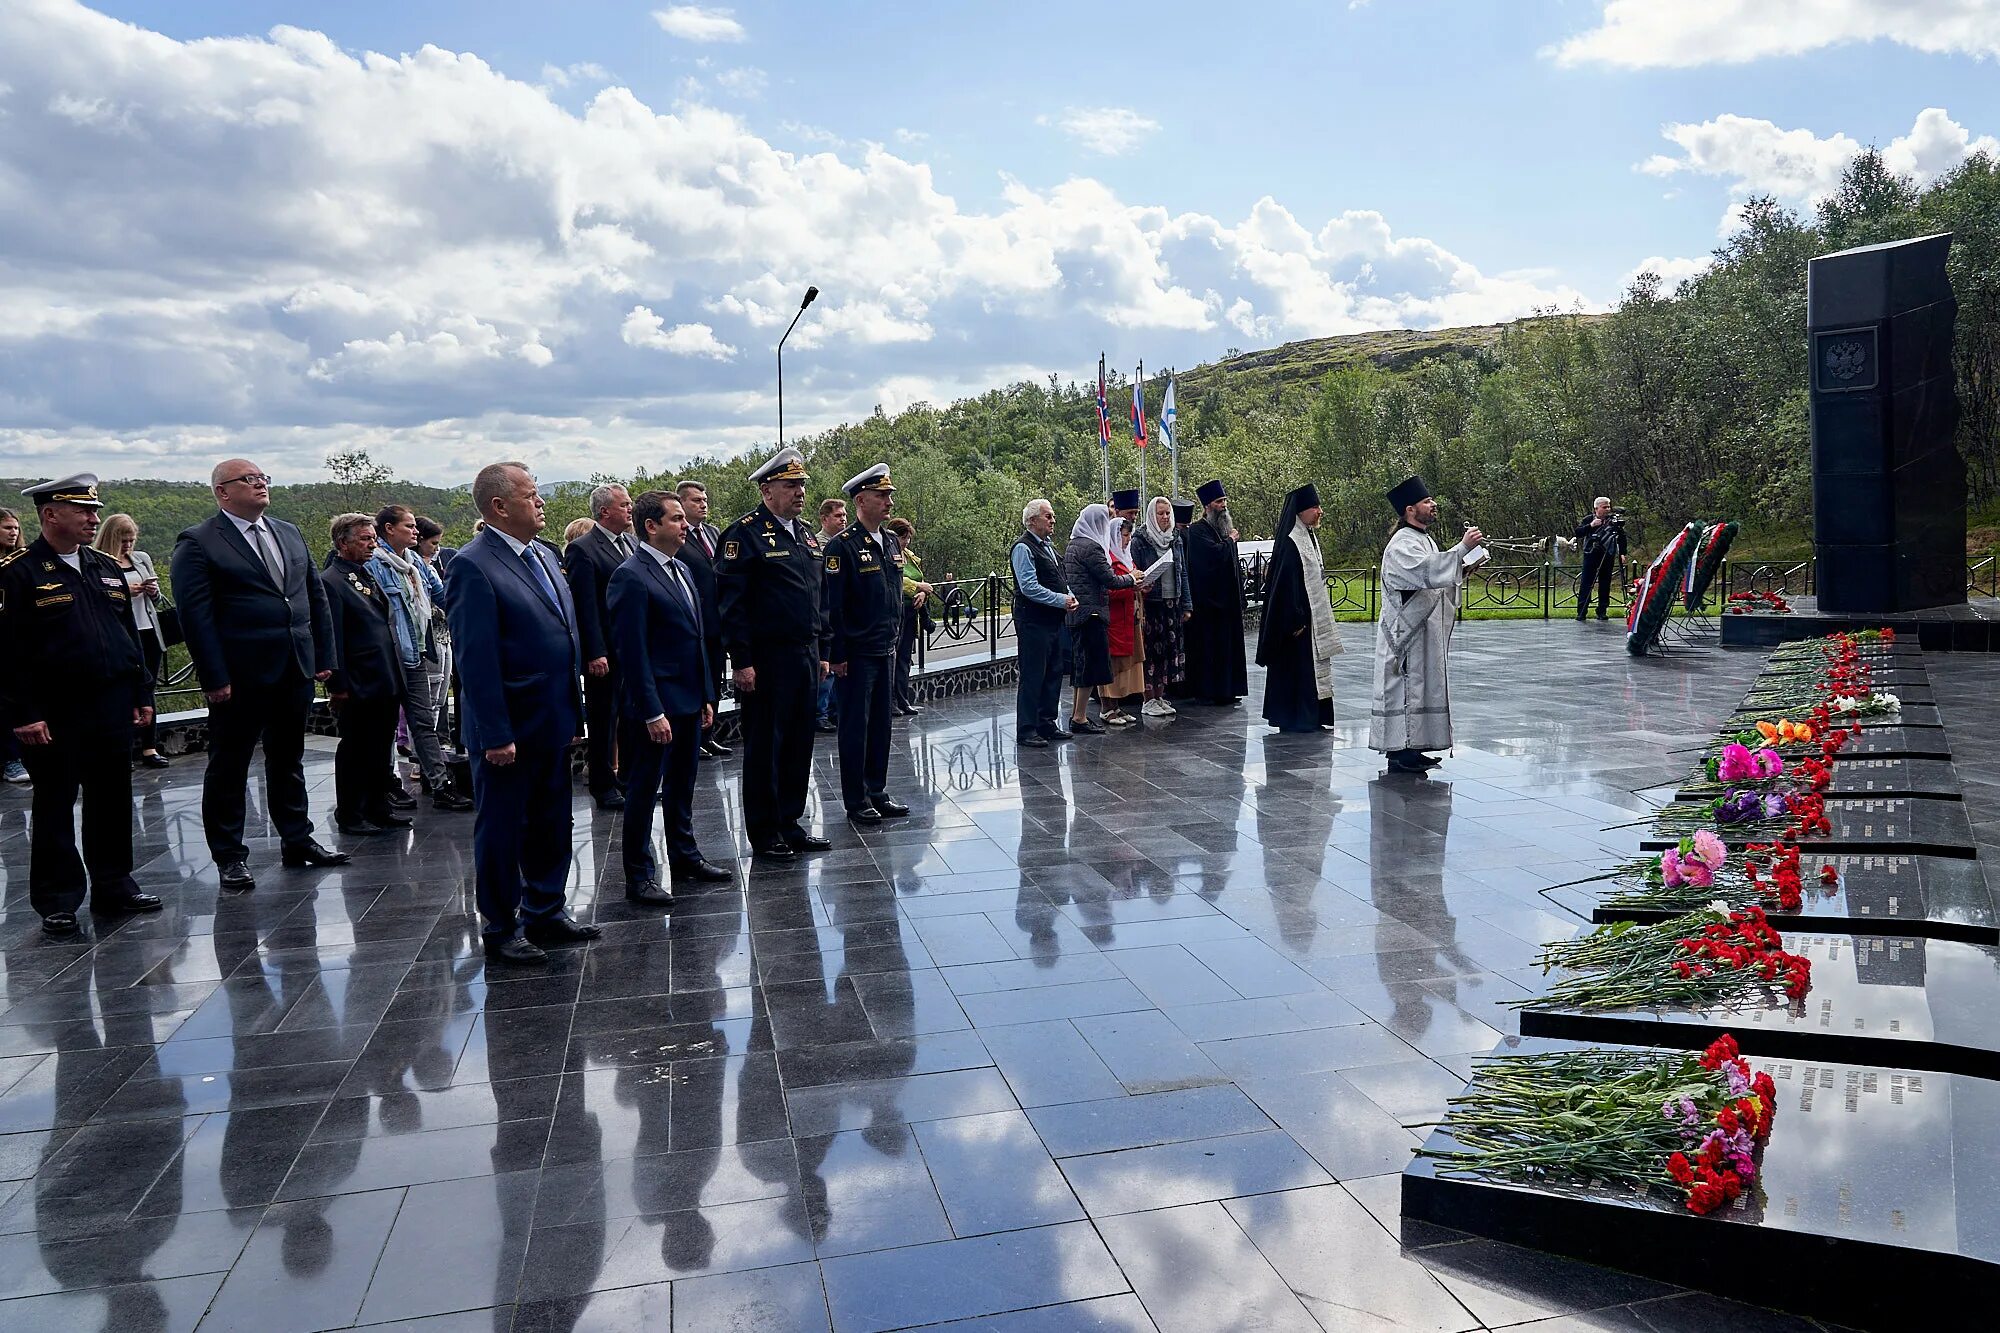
(1041, 600)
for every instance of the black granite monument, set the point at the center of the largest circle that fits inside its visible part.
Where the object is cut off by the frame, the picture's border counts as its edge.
(1888, 482)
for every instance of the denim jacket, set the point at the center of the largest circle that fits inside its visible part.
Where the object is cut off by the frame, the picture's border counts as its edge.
(412, 640)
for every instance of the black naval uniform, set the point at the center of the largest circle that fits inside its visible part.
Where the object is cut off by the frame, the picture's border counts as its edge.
(768, 590)
(370, 676)
(73, 661)
(864, 612)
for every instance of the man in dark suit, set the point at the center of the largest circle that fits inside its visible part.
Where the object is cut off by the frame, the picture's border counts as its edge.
(256, 622)
(699, 553)
(367, 687)
(513, 627)
(669, 695)
(588, 564)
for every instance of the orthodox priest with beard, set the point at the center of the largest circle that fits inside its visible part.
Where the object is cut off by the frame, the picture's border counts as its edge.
(1412, 708)
(1215, 670)
(1298, 640)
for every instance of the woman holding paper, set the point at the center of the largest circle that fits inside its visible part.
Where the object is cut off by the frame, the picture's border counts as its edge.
(1126, 634)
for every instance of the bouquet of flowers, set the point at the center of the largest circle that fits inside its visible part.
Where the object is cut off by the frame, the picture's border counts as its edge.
(1714, 955)
(1763, 874)
(1682, 1125)
(1747, 813)
(1743, 603)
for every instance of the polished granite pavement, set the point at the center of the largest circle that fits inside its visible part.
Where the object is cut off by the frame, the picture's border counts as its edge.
(1128, 1034)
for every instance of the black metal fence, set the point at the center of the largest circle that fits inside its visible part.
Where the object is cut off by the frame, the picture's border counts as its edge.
(969, 619)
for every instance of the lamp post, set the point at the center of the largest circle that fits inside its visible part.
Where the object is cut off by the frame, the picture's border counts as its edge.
(811, 294)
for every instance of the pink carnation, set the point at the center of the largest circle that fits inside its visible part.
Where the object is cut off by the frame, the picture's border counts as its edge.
(1671, 868)
(1709, 850)
(1768, 762)
(1736, 763)
(1698, 873)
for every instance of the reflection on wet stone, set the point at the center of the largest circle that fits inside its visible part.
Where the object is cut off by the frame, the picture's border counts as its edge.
(1122, 1034)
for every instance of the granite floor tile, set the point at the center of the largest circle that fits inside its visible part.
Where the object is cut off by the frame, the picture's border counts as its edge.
(1194, 1269)
(1049, 1062)
(1078, 1128)
(307, 1266)
(959, 1279)
(994, 1174)
(788, 1299)
(897, 1100)
(869, 1189)
(1190, 1171)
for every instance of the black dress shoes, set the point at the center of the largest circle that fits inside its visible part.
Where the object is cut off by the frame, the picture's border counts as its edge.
(716, 749)
(703, 872)
(867, 814)
(515, 950)
(359, 828)
(155, 760)
(611, 800)
(649, 893)
(775, 850)
(310, 853)
(801, 841)
(826, 727)
(1085, 728)
(236, 876)
(449, 797)
(893, 809)
(128, 902)
(560, 930)
(399, 798)
(1058, 734)
(1034, 742)
(388, 819)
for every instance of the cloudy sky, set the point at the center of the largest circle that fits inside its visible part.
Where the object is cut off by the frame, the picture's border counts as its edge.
(466, 229)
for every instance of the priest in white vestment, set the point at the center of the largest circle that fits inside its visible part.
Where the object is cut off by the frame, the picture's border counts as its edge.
(1412, 707)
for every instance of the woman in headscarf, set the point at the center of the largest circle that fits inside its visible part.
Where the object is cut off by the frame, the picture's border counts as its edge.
(1087, 571)
(1168, 604)
(1126, 637)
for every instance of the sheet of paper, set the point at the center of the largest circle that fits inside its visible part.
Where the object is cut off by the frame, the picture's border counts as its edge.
(1157, 570)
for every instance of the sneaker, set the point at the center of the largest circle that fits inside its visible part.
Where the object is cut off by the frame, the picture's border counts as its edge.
(1157, 708)
(17, 773)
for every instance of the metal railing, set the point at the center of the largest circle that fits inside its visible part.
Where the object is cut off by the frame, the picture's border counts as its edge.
(972, 619)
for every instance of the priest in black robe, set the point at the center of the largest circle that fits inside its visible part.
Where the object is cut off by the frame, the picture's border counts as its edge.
(1298, 640)
(1216, 672)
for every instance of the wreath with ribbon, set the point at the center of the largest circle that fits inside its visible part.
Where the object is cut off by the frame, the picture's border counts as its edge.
(1715, 544)
(1654, 598)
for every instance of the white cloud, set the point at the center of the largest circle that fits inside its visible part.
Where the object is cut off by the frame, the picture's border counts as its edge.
(276, 241)
(1109, 130)
(698, 23)
(1671, 272)
(643, 328)
(582, 72)
(748, 82)
(1639, 34)
(1798, 166)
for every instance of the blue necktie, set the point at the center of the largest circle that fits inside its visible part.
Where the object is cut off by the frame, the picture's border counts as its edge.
(542, 577)
(687, 594)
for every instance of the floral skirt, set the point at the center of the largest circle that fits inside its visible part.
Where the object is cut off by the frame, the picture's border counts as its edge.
(1166, 645)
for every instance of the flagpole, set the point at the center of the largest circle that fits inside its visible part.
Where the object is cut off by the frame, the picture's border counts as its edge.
(1139, 426)
(1174, 443)
(1103, 428)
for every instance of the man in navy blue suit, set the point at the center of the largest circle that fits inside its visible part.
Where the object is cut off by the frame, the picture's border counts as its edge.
(668, 696)
(513, 628)
(255, 616)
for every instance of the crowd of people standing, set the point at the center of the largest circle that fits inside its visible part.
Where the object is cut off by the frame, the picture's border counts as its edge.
(619, 641)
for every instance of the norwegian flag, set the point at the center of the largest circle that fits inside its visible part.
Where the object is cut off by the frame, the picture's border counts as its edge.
(1103, 407)
(1139, 408)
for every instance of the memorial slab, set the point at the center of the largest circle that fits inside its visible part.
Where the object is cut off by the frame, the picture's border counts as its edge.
(1894, 679)
(1877, 1203)
(1893, 742)
(1887, 824)
(1933, 778)
(1902, 895)
(1875, 1000)
(1777, 694)
(1910, 715)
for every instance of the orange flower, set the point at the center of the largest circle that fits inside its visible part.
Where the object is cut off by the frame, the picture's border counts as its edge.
(1768, 730)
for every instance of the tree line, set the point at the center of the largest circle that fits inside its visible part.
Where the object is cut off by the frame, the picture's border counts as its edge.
(1689, 403)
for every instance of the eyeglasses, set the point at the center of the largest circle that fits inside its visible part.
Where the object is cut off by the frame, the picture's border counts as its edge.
(252, 479)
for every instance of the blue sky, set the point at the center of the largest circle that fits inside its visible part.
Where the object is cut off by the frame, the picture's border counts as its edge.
(578, 236)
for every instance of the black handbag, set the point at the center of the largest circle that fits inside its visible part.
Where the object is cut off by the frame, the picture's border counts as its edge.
(169, 617)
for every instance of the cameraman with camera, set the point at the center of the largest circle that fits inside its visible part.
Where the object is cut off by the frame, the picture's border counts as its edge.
(1602, 537)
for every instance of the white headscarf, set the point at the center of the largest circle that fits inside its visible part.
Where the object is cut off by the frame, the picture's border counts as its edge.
(1162, 537)
(1095, 523)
